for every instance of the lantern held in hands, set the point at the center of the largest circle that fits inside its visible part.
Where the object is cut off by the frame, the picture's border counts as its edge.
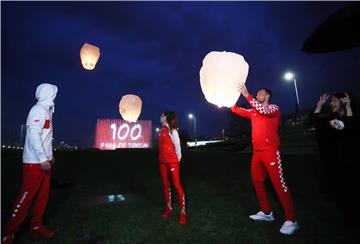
(130, 107)
(219, 75)
(89, 55)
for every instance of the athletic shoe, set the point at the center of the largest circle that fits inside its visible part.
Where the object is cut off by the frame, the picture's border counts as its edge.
(8, 239)
(261, 216)
(41, 231)
(167, 213)
(289, 227)
(182, 218)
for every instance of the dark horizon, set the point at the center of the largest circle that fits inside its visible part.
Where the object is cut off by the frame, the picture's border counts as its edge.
(155, 50)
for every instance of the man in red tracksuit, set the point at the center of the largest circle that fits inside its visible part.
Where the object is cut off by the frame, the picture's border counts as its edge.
(37, 161)
(266, 160)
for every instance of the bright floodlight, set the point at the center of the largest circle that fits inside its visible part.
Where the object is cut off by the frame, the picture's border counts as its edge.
(191, 116)
(157, 129)
(288, 76)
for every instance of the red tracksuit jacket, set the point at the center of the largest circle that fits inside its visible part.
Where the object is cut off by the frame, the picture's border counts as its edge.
(167, 152)
(265, 121)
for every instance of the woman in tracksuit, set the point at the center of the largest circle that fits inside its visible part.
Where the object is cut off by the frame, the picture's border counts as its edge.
(169, 158)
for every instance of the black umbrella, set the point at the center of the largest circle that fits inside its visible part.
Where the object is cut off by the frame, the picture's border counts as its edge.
(340, 31)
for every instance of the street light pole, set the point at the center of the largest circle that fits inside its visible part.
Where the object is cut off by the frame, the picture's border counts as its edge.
(191, 116)
(21, 135)
(195, 131)
(290, 76)
(297, 94)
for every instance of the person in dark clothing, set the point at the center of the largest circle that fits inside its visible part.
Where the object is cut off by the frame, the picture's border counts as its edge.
(338, 134)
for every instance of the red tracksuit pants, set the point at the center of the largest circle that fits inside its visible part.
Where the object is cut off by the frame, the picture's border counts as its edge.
(35, 188)
(173, 169)
(268, 163)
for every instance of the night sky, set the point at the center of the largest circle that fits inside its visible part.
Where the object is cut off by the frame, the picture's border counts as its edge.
(155, 50)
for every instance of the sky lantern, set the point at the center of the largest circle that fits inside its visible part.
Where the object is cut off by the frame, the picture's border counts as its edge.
(89, 55)
(130, 107)
(219, 75)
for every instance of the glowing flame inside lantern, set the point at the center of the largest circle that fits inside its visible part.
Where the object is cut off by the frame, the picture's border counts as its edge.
(219, 76)
(130, 107)
(89, 55)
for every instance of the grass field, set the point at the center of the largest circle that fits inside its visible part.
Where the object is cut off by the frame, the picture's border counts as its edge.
(218, 191)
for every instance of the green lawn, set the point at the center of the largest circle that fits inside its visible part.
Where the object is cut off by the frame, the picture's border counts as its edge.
(218, 191)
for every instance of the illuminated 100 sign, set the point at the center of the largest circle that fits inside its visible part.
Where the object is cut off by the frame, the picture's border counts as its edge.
(124, 130)
(112, 133)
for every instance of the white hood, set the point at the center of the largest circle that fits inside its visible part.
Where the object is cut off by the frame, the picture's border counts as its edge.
(45, 94)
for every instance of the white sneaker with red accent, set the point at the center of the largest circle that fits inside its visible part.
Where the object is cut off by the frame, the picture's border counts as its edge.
(289, 227)
(261, 216)
(8, 239)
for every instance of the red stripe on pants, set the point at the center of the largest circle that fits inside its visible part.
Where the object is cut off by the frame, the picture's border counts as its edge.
(174, 171)
(35, 188)
(269, 163)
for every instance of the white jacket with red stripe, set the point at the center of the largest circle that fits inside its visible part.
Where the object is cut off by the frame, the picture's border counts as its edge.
(39, 129)
(265, 122)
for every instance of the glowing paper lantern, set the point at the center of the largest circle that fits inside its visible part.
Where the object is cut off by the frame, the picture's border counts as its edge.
(89, 55)
(130, 107)
(219, 76)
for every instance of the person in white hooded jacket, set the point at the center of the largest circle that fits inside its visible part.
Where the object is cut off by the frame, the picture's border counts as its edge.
(37, 161)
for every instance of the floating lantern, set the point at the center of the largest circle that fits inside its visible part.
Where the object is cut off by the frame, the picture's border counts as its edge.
(220, 74)
(89, 55)
(130, 107)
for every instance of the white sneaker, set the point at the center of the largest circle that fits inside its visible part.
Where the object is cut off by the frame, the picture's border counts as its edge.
(261, 216)
(8, 239)
(289, 227)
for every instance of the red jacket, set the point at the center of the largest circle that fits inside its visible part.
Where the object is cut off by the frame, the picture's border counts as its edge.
(167, 153)
(265, 121)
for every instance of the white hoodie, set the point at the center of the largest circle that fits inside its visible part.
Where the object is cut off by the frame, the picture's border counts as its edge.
(39, 128)
(174, 135)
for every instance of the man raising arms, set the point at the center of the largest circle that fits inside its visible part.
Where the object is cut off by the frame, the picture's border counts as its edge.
(266, 161)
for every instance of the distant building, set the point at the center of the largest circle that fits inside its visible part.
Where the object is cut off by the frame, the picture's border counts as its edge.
(296, 121)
